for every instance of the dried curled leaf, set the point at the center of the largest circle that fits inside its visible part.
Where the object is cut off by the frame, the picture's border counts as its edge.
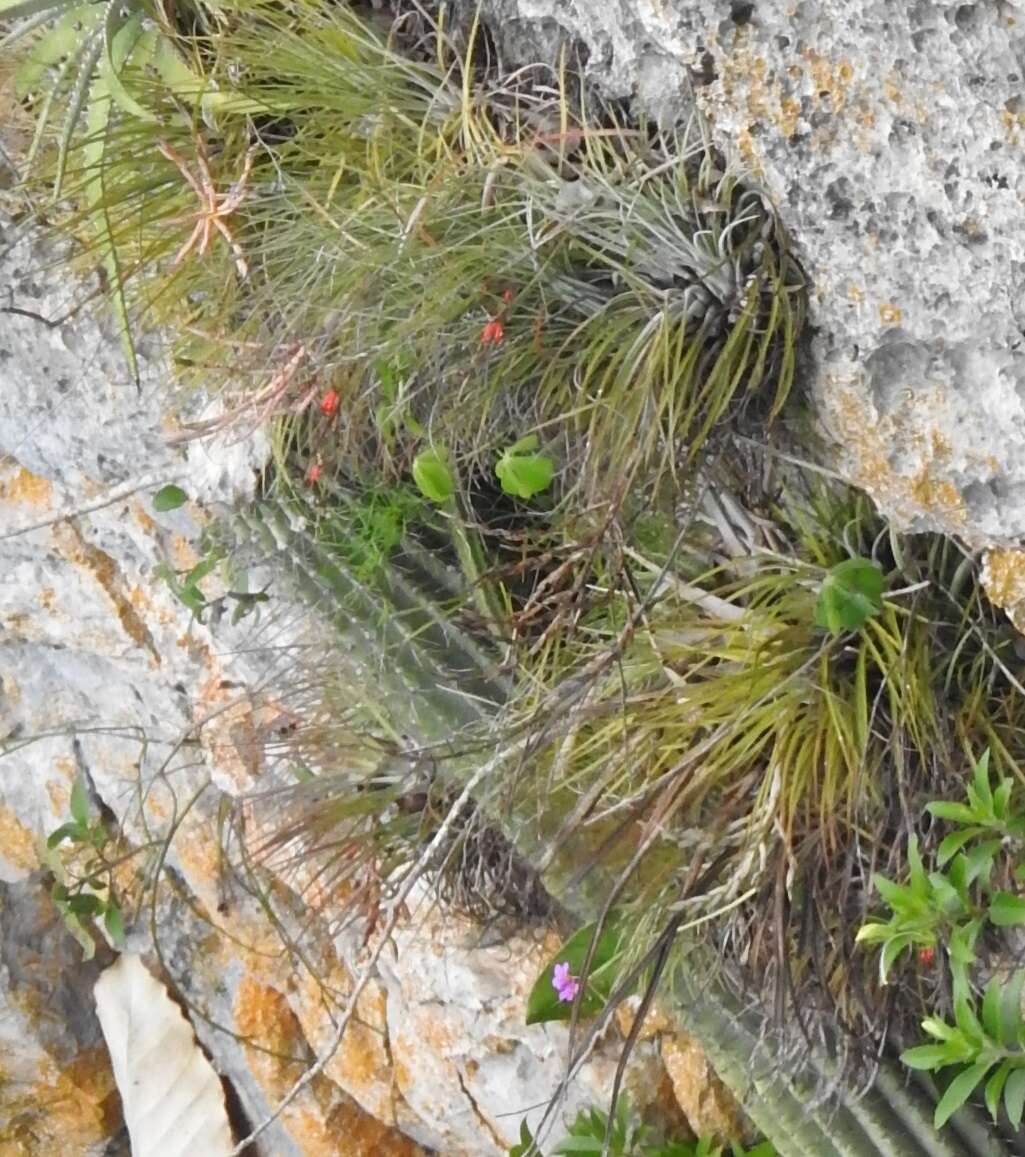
(172, 1098)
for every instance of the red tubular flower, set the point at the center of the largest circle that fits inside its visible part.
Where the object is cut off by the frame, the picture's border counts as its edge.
(492, 333)
(314, 473)
(329, 403)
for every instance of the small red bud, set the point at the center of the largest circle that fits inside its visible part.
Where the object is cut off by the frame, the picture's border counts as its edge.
(314, 473)
(926, 956)
(329, 403)
(492, 333)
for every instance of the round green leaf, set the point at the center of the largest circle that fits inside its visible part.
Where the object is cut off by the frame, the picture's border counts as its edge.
(524, 475)
(169, 498)
(850, 595)
(432, 475)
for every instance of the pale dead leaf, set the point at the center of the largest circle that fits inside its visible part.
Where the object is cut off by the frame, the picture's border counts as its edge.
(173, 1101)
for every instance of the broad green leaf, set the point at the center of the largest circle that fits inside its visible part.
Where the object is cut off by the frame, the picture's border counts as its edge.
(169, 498)
(1014, 1097)
(543, 1003)
(959, 1090)
(850, 595)
(524, 475)
(79, 806)
(433, 476)
(1005, 909)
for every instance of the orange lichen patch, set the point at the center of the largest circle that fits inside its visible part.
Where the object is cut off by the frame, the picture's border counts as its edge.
(889, 314)
(19, 845)
(831, 79)
(654, 1023)
(710, 1108)
(855, 293)
(107, 573)
(142, 516)
(867, 439)
(68, 1110)
(47, 598)
(27, 489)
(323, 1115)
(1003, 579)
(362, 1065)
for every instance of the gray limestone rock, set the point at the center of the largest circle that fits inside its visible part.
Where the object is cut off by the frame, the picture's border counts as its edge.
(890, 136)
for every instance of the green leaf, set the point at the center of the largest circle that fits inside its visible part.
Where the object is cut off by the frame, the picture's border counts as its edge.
(1010, 1011)
(892, 949)
(850, 595)
(433, 476)
(1014, 1097)
(114, 922)
(953, 843)
(169, 498)
(917, 878)
(994, 1089)
(524, 475)
(927, 1057)
(957, 813)
(1005, 909)
(85, 904)
(72, 831)
(991, 1009)
(76, 928)
(543, 1003)
(979, 862)
(980, 779)
(959, 1090)
(80, 802)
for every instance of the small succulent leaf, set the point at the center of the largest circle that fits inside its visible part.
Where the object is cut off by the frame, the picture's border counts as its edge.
(169, 497)
(850, 595)
(77, 929)
(872, 933)
(959, 1090)
(966, 1020)
(938, 1029)
(1006, 909)
(1014, 1097)
(432, 475)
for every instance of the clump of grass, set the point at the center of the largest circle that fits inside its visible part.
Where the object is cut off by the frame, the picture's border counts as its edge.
(733, 737)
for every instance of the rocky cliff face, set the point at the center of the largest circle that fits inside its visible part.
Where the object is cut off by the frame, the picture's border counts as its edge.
(104, 675)
(890, 137)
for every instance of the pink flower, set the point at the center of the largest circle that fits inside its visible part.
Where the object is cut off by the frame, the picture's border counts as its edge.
(565, 985)
(314, 473)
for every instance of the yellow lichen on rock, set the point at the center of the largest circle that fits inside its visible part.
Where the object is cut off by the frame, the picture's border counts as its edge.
(1003, 578)
(708, 1105)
